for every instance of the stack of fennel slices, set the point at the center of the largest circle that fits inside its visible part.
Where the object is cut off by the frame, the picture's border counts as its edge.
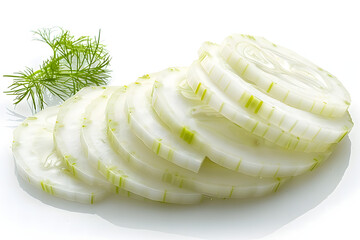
(239, 122)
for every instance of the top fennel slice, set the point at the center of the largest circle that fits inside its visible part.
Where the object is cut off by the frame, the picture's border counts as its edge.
(285, 75)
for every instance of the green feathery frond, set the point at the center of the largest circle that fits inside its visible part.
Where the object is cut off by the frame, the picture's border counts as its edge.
(74, 64)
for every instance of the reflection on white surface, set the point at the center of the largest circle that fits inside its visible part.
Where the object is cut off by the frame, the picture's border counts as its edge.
(214, 219)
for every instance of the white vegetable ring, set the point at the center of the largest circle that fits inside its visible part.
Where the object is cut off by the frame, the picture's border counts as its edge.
(221, 140)
(285, 75)
(153, 132)
(302, 124)
(211, 180)
(219, 101)
(37, 162)
(115, 168)
(67, 136)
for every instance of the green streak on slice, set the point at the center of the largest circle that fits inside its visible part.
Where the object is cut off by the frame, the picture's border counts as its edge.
(187, 135)
(129, 115)
(287, 94)
(108, 174)
(227, 60)
(281, 120)
(170, 155)
(157, 84)
(46, 187)
(243, 72)
(297, 142)
(203, 94)
(277, 185)
(42, 186)
(222, 76)
(288, 144)
(252, 130)
(249, 101)
(146, 76)
(70, 163)
(267, 129)
(278, 138)
(167, 177)
(253, 104)
(270, 87)
(292, 127)
(238, 165)
(221, 107)
(181, 183)
(258, 107)
(231, 191)
(211, 70)
(314, 165)
(342, 136)
(31, 118)
(14, 144)
(164, 196)
(323, 108)
(270, 114)
(158, 148)
(227, 86)
(92, 198)
(203, 55)
(312, 107)
(316, 134)
(249, 37)
(277, 171)
(121, 181)
(197, 88)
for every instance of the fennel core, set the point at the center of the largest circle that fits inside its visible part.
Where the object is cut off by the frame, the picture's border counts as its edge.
(74, 64)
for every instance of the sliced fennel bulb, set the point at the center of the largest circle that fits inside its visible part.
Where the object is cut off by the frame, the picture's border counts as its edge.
(115, 168)
(67, 136)
(221, 140)
(211, 180)
(299, 123)
(153, 132)
(219, 101)
(285, 75)
(244, 118)
(37, 162)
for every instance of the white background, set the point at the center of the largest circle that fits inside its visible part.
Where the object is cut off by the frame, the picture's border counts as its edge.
(148, 36)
